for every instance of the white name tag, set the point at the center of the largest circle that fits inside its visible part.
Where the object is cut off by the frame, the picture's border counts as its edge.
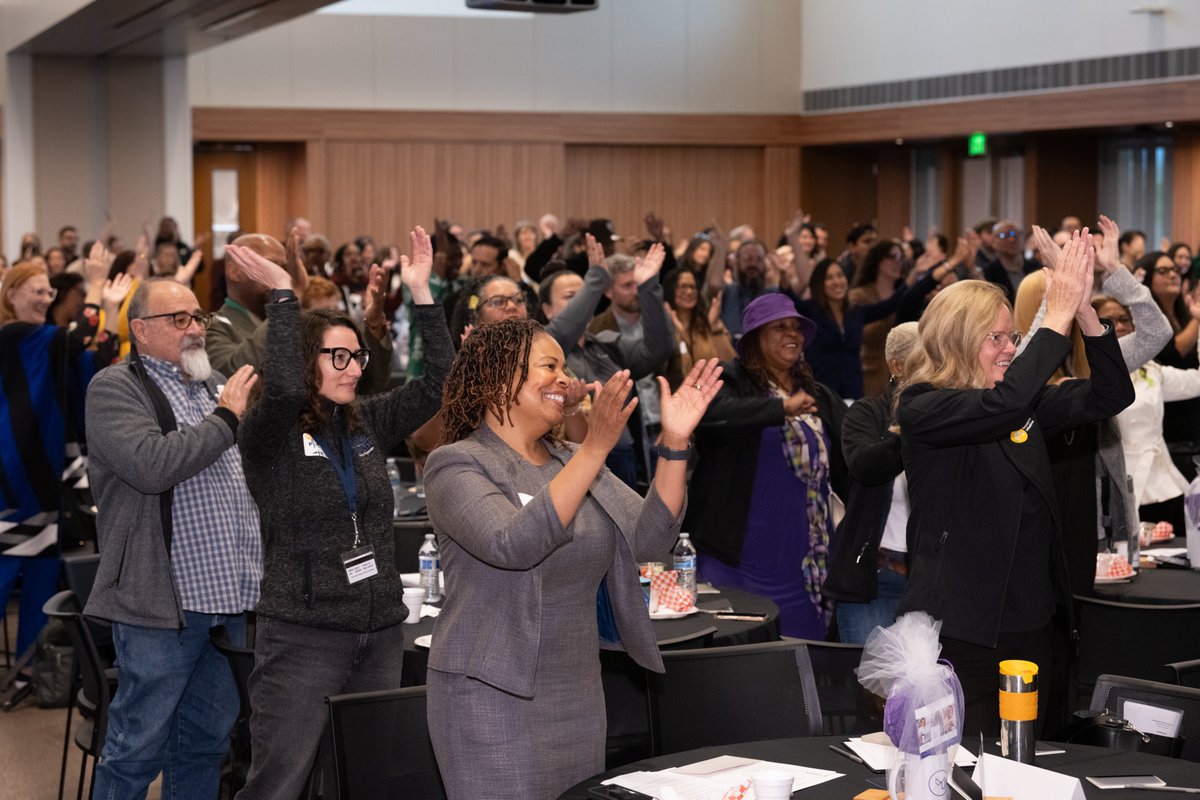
(360, 564)
(311, 448)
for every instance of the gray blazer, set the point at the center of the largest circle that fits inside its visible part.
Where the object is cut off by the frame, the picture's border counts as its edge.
(492, 545)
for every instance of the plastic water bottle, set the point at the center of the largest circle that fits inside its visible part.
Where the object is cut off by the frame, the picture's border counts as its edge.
(431, 569)
(394, 478)
(1191, 510)
(1135, 533)
(685, 565)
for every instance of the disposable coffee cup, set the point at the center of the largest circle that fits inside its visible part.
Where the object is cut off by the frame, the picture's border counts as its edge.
(413, 598)
(772, 784)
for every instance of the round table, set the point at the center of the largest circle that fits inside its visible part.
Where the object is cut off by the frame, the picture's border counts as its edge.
(1158, 586)
(728, 632)
(1079, 760)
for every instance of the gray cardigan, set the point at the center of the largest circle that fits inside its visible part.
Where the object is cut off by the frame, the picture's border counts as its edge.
(492, 546)
(131, 462)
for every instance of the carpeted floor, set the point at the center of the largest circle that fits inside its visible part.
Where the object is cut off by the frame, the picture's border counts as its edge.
(31, 743)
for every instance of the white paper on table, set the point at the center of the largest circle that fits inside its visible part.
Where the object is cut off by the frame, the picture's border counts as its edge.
(1147, 718)
(880, 756)
(1165, 552)
(718, 764)
(667, 785)
(430, 611)
(706, 588)
(802, 777)
(1000, 777)
(674, 784)
(1044, 750)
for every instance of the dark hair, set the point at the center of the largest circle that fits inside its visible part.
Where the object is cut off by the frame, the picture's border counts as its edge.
(816, 285)
(1175, 248)
(688, 260)
(985, 225)
(63, 283)
(464, 314)
(546, 287)
(120, 264)
(1127, 238)
(752, 358)
(66, 228)
(1178, 313)
(481, 378)
(487, 240)
(859, 231)
(869, 271)
(699, 321)
(317, 411)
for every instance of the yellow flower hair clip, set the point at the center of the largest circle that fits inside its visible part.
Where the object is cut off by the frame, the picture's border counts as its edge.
(473, 303)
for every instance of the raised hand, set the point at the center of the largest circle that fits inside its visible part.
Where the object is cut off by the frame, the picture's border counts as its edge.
(654, 226)
(680, 412)
(257, 269)
(595, 253)
(680, 330)
(610, 412)
(1069, 284)
(573, 398)
(414, 274)
(237, 389)
(1108, 256)
(185, 273)
(1192, 299)
(647, 266)
(373, 299)
(714, 310)
(795, 224)
(114, 293)
(1044, 243)
(97, 264)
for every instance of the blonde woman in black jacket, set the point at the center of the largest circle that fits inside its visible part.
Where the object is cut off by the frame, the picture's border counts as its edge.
(984, 539)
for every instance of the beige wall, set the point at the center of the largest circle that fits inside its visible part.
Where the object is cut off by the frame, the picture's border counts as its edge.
(629, 55)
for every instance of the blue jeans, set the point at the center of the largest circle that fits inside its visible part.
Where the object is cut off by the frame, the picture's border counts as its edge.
(857, 620)
(176, 704)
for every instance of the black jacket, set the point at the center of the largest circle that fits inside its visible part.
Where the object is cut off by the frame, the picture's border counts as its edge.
(968, 470)
(727, 443)
(873, 459)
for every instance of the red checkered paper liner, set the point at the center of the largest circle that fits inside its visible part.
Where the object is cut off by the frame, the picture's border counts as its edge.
(1163, 530)
(1118, 568)
(670, 595)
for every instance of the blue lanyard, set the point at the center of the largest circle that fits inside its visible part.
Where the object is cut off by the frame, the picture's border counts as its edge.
(345, 473)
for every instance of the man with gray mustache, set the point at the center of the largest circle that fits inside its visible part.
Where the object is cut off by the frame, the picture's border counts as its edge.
(179, 546)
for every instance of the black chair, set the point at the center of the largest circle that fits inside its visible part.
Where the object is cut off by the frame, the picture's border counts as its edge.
(241, 664)
(723, 695)
(1137, 640)
(80, 571)
(1113, 690)
(847, 709)
(1187, 673)
(96, 690)
(381, 746)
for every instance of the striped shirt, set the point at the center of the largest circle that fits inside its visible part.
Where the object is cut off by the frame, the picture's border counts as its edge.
(216, 549)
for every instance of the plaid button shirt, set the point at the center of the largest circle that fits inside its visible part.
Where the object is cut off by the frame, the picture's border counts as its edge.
(216, 549)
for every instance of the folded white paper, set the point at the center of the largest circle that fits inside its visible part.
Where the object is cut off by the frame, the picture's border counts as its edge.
(1000, 777)
(1147, 718)
(682, 783)
(880, 756)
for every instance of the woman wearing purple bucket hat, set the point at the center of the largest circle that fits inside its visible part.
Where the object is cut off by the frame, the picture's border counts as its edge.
(770, 455)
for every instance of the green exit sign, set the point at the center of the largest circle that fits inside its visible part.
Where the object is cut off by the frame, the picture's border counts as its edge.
(977, 144)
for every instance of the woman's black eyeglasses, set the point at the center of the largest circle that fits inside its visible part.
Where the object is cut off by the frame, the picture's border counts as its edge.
(341, 356)
(181, 319)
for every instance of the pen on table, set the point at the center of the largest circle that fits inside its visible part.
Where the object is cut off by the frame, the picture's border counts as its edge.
(847, 754)
(742, 617)
(1179, 789)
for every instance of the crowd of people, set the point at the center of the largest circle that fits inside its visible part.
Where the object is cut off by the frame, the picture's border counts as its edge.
(954, 425)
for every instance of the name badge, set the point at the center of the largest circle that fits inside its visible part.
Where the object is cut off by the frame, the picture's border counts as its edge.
(311, 448)
(360, 563)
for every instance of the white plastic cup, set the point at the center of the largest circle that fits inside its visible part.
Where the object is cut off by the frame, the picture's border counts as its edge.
(413, 598)
(772, 784)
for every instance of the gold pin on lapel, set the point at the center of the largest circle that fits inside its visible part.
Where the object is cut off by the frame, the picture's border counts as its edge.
(1021, 435)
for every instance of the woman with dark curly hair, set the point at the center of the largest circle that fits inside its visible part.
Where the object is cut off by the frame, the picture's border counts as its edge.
(330, 611)
(770, 453)
(538, 541)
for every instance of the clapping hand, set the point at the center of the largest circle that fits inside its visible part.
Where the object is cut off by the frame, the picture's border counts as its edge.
(236, 393)
(1069, 285)
(114, 293)
(610, 412)
(1047, 250)
(1108, 257)
(257, 269)
(373, 316)
(680, 412)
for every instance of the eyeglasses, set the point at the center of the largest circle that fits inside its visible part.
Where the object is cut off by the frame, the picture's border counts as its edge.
(501, 300)
(1006, 235)
(1122, 320)
(49, 294)
(1000, 338)
(182, 319)
(1166, 270)
(341, 356)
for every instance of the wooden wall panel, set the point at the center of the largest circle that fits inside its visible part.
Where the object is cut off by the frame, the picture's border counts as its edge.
(781, 187)
(1064, 179)
(1185, 205)
(687, 186)
(894, 192)
(278, 173)
(386, 187)
(838, 188)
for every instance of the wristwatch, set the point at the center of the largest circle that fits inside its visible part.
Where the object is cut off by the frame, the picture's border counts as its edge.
(662, 451)
(281, 296)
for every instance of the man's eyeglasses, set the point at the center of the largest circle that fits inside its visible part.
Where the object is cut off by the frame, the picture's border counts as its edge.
(341, 356)
(499, 301)
(182, 319)
(1166, 270)
(1001, 338)
(1006, 235)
